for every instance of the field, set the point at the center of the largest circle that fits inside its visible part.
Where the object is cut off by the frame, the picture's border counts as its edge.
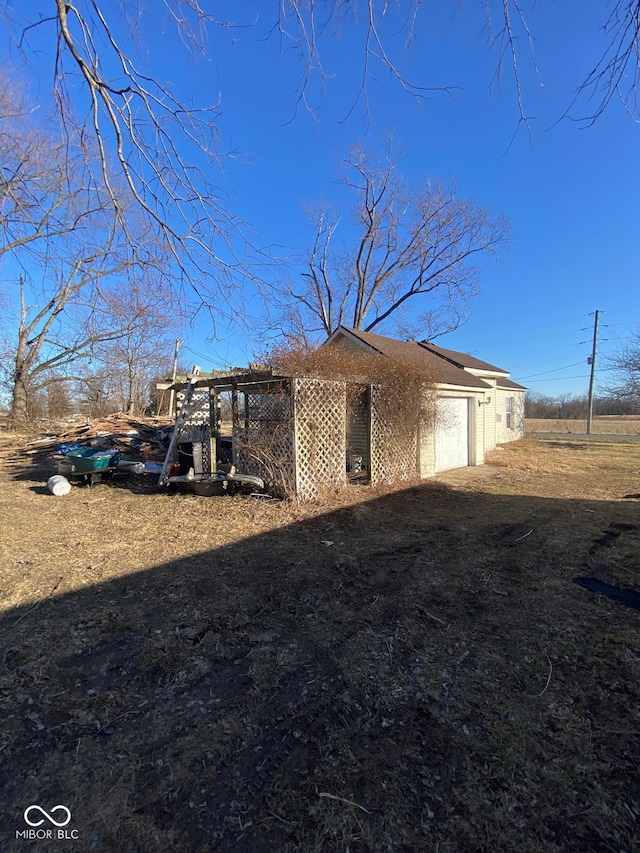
(603, 425)
(389, 671)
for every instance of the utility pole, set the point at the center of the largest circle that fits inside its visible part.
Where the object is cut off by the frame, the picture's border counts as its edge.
(172, 393)
(592, 362)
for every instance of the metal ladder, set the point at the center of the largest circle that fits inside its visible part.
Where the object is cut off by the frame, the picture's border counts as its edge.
(181, 419)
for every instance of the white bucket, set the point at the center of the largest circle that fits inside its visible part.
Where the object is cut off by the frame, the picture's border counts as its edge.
(131, 467)
(58, 485)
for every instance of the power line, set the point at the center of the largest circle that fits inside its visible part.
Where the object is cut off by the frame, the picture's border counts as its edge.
(543, 338)
(617, 310)
(557, 379)
(548, 349)
(538, 364)
(473, 347)
(566, 367)
(613, 325)
(531, 329)
(195, 352)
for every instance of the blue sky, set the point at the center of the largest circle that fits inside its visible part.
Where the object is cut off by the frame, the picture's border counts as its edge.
(570, 193)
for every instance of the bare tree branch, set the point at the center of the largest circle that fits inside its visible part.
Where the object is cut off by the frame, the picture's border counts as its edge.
(414, 252)
(625, 367)
(147, 136)
(69, 237)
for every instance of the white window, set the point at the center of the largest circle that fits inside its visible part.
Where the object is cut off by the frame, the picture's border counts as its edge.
(508, 407)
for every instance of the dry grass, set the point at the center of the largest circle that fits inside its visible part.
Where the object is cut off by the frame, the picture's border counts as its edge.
(190, 674)
(569, 467)
(605, 425)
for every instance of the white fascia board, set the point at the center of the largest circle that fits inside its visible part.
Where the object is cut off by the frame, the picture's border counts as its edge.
(349, 336)
(452, 389)
(492, 374)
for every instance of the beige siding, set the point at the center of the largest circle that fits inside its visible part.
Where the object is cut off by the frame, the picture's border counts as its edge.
(482, 428)
(427, 444)
(488, 415)
(503, 434)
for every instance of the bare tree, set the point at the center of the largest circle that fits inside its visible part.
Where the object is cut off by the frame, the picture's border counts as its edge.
(615, 68)
(412, 263)
(131, 361)
(145, 125)
(38, 205)
(625, 366)
(167, 153)
(147, 135)
(67, 237)
(62, 330)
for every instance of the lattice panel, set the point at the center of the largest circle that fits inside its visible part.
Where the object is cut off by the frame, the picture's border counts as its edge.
(320, 441)
(394, 455)
(198, 406)
(197, 427)
(264, 446)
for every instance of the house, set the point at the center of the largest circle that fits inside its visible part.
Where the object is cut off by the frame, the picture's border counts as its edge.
(477, 405)
(304, 433)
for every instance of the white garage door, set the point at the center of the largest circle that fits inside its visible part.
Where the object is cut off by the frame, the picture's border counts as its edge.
(452, 433)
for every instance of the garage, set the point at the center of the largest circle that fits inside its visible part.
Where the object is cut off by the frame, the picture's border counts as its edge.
(452, 433)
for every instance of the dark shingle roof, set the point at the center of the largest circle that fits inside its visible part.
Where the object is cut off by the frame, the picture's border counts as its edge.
(461, 359)
(443, 371)
(511, 385)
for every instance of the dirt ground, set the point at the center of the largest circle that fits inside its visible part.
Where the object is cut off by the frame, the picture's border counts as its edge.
(390, 671)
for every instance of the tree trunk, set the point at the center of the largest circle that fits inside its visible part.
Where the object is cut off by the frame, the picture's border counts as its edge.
(19, 412)
(131, 403)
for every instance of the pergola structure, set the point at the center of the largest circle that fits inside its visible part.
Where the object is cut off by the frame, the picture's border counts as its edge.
(295, 432)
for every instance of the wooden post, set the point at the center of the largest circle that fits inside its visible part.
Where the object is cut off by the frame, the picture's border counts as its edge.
(246, 417)
(217, 403)
(235, 420)
(373, 445)
(294, 433)
(213, 432)
(173, 378)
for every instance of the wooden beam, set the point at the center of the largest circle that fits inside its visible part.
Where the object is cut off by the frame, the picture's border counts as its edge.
(235, 420)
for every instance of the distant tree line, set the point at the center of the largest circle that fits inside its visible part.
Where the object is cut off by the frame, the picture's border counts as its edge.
(621, 395)
(574, 407)
(97, 395)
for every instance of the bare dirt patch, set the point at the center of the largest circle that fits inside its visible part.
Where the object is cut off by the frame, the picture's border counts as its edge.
(198, 674)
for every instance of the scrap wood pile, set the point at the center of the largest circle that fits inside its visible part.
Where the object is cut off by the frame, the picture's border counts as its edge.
(135, 436)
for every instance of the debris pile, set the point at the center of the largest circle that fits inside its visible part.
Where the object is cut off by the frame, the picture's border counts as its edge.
(137, 437)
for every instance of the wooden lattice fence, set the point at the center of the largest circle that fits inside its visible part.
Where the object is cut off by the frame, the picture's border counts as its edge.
(394, 448)
(293, 434)
(320, 436)
(264, 445)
